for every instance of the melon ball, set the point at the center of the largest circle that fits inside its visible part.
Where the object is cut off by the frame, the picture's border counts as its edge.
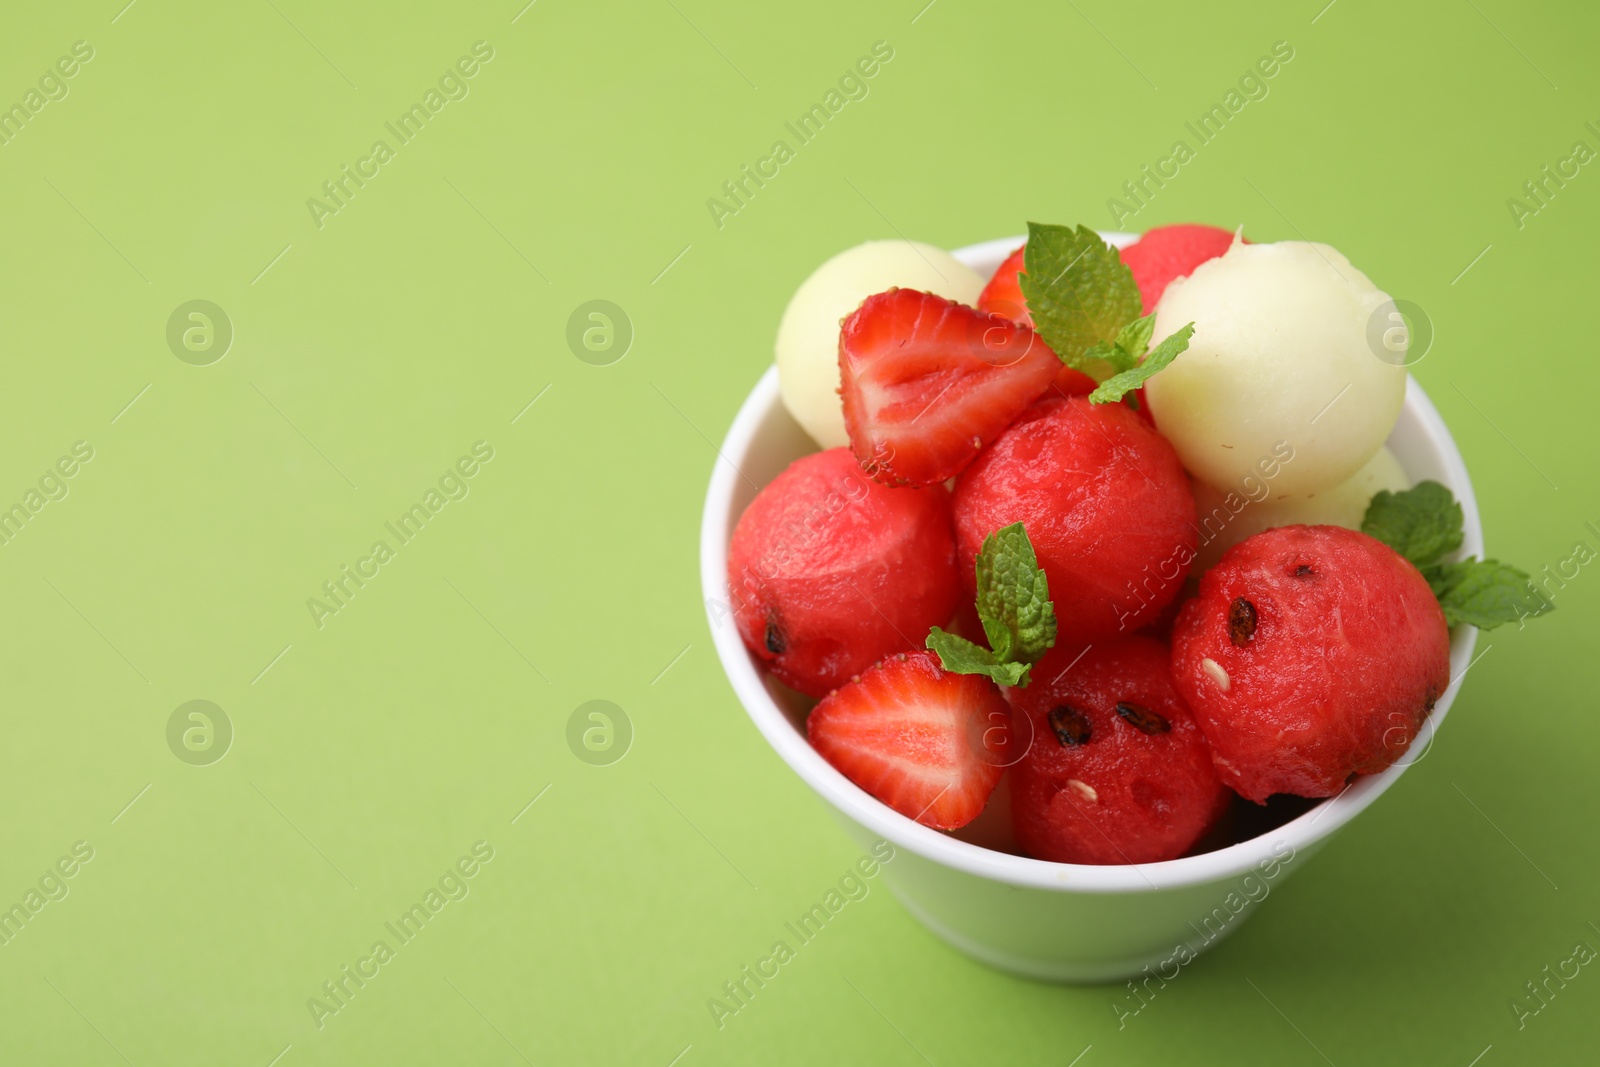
(808, 336)
(1228, 516)
(1279, 356)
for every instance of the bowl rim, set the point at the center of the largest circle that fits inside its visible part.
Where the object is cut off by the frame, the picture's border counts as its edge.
(1303, 831)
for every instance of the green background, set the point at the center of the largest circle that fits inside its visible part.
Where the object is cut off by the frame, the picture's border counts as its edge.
(369, 754)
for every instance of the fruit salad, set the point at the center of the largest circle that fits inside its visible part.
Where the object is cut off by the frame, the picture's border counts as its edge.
(1104, 546)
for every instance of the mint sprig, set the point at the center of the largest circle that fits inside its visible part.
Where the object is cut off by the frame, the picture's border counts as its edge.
(1123, 353)
(1085, 304)
(1079, 293)
(1425, 524)
(1014, 607)
(960, 656)
(1126, 381)
(1484, 593)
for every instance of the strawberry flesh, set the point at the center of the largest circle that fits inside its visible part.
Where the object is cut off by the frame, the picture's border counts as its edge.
(930, 744)
(927, 382)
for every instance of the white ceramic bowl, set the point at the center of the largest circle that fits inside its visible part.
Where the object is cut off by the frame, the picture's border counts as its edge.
(1053, 921)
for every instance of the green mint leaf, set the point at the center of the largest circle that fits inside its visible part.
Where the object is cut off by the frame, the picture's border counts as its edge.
(1423, 524)
(1484, 593)
(1014, 606)
(1134, 338)
(1000, 639)
(960, 656)
(1126, 381)
(1107, 355)
(1079, 293)
(1014, 597)
(1013, 674)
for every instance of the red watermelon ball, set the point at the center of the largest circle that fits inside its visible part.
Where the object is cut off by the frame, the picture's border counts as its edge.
(1116, 770)
(1105, 504)
(1168, 253)
(830, 571)
(1312, 653)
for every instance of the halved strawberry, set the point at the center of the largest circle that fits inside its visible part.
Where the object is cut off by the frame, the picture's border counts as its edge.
(930, 744)
(928, 382)
(1003, 296)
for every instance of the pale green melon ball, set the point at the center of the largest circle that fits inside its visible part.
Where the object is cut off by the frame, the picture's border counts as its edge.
(1280, 353)
(1228, 516)
(808, 337)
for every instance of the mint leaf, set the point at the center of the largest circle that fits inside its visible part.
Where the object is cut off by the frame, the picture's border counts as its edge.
(1134, 338)
(1126, 381)
(1080, 295)
(1014, 597)
(1014, 606)
(1484, 593)
(1104, 358)
(960, 656)
(1123, 353)
(1085, 304)
(1423, 524)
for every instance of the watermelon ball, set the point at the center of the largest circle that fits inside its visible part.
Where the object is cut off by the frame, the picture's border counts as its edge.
(1117, 771)
(1168, 253)
(830, 571)
(1312, 653)
(1106, 505)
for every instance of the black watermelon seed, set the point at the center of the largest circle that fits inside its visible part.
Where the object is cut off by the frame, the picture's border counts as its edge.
(1241, 622)
(1142, 718)
(1070, 725)
(775, 641)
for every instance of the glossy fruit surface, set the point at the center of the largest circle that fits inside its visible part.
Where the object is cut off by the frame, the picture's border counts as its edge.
(1282, 357)
(1226, 518)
